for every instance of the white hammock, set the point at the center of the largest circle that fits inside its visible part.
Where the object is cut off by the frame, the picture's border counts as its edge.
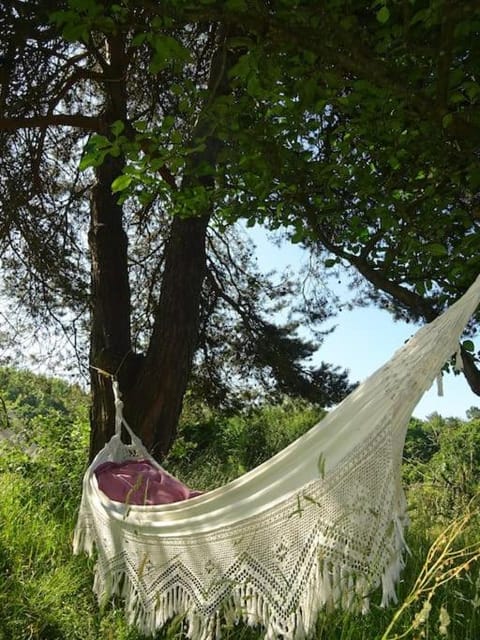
(320, 524)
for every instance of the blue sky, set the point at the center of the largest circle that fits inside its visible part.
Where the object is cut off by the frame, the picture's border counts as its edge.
(366, 337)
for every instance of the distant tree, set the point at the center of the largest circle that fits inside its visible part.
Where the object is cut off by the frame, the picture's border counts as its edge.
(442, 458)
(421, 442)
(473, 413)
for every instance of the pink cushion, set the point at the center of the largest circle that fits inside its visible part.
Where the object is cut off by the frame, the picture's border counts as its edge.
(140, 482)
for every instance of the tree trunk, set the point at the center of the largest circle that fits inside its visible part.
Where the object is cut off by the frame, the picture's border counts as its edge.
(110, 296)
(153, 387)
(158, 395)
(110, 339)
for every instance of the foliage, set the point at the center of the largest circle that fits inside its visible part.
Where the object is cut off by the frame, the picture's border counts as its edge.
(443, 465)
(45, 593)
(216, 447)
(47, 420)
(351, 122)
(61, 120)
(29, 396)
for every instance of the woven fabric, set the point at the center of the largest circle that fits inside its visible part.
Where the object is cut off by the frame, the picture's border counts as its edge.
(320, 524)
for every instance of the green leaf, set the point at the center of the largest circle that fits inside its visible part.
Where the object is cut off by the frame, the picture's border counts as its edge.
(139, 39)
(298, 236)
(243, 68)
(383, 15)
(394, 162)
(117, 127)
(437, 249)
(140, 125)
(420, 288)
(95, 151)
(167, 50)
(468, 346)
(121, 183)
(76, 33)
(457, 97)
(91, 160)
(472, 89)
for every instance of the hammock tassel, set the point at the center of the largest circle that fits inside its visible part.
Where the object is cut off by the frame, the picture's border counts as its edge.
(440, 384)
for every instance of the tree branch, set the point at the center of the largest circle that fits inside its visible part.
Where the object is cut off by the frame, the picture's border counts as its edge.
(471, 371)
(78, 121)
(409, 299)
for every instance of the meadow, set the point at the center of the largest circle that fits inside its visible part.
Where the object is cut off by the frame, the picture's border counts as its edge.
(45, 591)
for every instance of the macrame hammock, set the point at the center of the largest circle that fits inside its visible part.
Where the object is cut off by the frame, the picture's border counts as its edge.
(318, 525)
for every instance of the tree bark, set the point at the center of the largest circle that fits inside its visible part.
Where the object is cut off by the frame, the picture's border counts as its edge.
(110, 339)
(158, 395)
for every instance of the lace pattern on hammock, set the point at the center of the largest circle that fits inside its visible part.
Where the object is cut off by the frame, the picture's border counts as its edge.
(329, 544)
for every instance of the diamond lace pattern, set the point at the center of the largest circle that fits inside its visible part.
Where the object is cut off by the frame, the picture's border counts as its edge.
(337, 535)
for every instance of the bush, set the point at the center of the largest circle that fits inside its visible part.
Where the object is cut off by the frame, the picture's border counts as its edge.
(212, 448)
(442, 467)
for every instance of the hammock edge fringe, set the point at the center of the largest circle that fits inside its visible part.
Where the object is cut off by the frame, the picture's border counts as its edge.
(328, 588)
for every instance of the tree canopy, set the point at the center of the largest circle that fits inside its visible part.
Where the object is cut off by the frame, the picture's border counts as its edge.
(158, 125)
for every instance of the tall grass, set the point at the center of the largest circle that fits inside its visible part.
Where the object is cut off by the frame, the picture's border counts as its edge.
(45, 592)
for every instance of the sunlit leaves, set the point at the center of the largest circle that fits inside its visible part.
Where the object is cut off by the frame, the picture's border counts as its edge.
(121, 183)
(95, 151)
(167, 51)
(365, 130)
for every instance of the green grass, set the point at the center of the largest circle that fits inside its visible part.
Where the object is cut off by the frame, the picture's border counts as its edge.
(45, 592)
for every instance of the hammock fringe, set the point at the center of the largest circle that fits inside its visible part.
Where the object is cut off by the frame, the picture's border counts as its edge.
(329, 587)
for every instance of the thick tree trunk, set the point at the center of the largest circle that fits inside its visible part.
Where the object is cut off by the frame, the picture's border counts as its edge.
(110, 308)
(158, 395)
(154, 386)
(110, 340)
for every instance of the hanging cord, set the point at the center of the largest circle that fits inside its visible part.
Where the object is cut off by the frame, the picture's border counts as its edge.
(117, 397)
(457, 367)
(440, 384)
(458, 359)
(119, 417)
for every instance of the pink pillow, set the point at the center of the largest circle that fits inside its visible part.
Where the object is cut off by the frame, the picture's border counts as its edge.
(140, 482)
